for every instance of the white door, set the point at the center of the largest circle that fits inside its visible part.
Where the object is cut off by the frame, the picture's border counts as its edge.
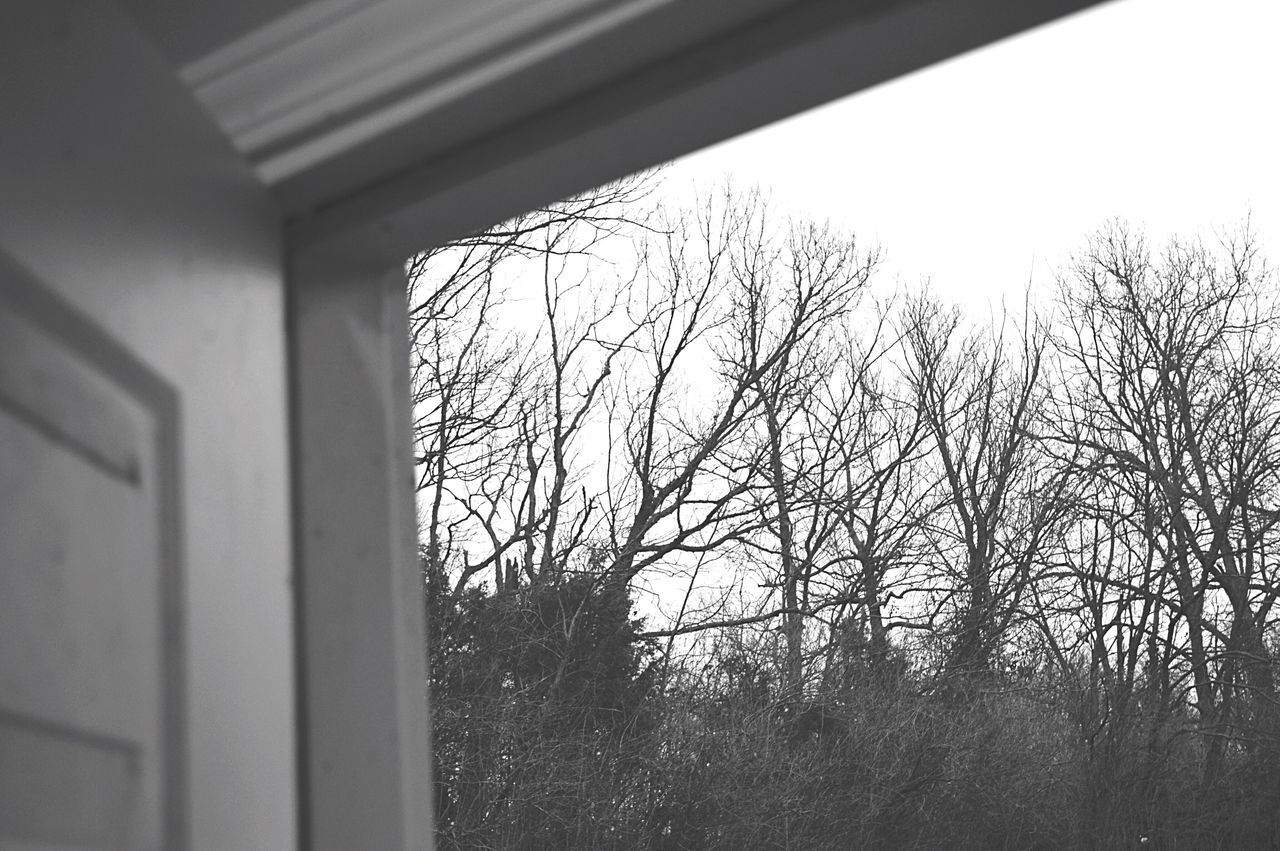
(90, 573)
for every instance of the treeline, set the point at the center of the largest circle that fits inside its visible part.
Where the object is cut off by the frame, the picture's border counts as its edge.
(728, 545)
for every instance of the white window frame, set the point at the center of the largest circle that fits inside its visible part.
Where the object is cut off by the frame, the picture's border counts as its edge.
(350, 223)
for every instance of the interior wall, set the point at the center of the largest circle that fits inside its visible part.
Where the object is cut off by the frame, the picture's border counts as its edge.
(118, 195)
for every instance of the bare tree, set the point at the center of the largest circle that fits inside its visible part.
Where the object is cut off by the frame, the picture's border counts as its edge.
(978, 396)
(789, 301)
(882, 494)
(476, 388)
(1178, 359)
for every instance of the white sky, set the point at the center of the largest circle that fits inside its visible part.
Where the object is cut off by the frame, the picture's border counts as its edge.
(976, 171)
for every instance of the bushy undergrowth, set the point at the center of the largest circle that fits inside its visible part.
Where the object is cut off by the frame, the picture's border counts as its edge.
(555, 728)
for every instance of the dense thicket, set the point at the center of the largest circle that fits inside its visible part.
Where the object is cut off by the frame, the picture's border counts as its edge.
(728, 546)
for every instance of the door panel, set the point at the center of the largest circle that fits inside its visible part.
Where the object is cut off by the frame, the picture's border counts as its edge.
(90, 650)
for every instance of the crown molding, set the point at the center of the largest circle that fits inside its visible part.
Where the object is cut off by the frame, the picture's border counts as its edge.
(336, 73)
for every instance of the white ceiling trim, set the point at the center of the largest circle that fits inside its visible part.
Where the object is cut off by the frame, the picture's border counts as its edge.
(338, 73)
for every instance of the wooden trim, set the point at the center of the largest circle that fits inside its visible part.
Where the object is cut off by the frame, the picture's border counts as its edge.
(365, 774)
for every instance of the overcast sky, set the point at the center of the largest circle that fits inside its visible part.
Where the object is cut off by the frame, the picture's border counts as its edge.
(983, 170)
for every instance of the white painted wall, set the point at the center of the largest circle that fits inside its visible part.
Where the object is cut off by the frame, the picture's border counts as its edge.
(117, 193)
